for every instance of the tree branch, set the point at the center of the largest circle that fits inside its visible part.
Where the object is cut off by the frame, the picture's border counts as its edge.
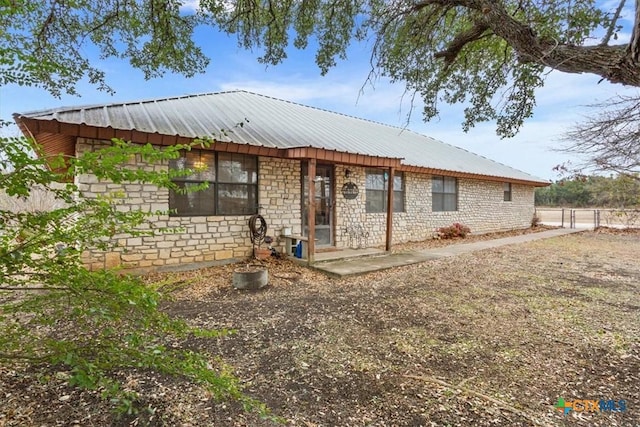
(634, 43)
(612, 25)
(608, 140)
(613, 63)
(474, 33)
(617, 64)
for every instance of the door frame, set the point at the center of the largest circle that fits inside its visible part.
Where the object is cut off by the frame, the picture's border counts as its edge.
(331, 209)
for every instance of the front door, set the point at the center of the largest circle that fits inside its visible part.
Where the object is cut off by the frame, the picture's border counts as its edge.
(323, 204)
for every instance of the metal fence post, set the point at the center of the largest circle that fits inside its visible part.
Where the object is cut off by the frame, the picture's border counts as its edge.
(562, 224)
(572, 218)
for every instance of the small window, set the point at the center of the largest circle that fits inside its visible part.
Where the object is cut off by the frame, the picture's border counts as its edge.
(377, 187)
(507, 191)
(444, 194)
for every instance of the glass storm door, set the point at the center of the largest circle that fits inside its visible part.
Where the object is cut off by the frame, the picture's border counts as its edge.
(323, 204)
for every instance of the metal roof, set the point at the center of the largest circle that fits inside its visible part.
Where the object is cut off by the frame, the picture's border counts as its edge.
(278, 123)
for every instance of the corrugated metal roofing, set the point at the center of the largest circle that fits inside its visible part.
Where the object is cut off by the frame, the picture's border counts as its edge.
(277, 123)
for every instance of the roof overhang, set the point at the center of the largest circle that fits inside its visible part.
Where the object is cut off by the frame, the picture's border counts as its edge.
(481, 177)
(59, 137)
(334, 156)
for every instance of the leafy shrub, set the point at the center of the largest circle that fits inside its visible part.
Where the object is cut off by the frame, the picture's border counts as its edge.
(57, 315)
(453, 231)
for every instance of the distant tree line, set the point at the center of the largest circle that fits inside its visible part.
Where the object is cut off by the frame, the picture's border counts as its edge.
(622, 191)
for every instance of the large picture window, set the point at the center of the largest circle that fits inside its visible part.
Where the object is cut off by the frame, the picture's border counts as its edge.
(232, 180)
(377, 187)
(444, 193)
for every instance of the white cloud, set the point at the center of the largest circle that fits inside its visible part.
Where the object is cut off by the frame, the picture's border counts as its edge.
(190, 6)
(577, 90)
(529, 151)
(348, 94)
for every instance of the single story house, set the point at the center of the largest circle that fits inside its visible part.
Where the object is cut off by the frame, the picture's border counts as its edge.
(335, 180)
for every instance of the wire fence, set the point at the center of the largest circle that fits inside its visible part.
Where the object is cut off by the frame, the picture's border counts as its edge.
(589, 218)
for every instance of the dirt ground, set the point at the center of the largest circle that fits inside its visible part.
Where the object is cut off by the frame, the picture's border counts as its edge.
(484, 339)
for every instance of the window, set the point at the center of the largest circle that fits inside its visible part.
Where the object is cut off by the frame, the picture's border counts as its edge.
(506, 187)
(232, 180)
(444, 193)
(377, 187)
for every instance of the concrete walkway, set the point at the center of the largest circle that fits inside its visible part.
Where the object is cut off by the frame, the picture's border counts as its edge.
(355, 266)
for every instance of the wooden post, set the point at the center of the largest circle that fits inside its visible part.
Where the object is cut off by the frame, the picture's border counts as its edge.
(390, 210)
(311, 219)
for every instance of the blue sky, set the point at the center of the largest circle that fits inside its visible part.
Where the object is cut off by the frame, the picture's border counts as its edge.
(344, 89)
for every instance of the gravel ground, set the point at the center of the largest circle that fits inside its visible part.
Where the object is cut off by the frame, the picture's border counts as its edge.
(483, 339)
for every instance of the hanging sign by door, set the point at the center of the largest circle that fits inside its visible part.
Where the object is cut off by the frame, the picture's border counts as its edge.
(350, 190)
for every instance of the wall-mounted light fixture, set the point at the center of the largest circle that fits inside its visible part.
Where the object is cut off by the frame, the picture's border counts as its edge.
(347, 173)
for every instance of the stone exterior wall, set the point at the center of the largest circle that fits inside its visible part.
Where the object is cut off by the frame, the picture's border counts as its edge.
(200, 240)
(207, 240)
(280, 193)
(480, 206)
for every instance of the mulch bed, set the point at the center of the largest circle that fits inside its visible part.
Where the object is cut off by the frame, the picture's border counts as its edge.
(483, 339)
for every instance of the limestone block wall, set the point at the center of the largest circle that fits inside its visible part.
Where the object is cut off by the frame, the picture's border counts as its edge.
(348, 213)
(198, 240)
(206, 240)
(280, 193)
(480, 206)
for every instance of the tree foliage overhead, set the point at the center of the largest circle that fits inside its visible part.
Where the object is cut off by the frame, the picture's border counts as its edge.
(490, 55)
(44, 42)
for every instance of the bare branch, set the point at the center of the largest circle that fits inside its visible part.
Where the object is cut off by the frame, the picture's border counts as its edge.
(612, 25)
(608, 141)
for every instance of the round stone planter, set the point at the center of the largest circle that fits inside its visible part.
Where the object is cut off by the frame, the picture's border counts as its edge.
(250, 277)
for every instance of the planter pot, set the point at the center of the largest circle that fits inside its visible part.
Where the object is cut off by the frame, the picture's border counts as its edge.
(250, 277)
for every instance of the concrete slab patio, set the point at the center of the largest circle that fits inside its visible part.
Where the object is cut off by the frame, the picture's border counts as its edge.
(363, 265)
